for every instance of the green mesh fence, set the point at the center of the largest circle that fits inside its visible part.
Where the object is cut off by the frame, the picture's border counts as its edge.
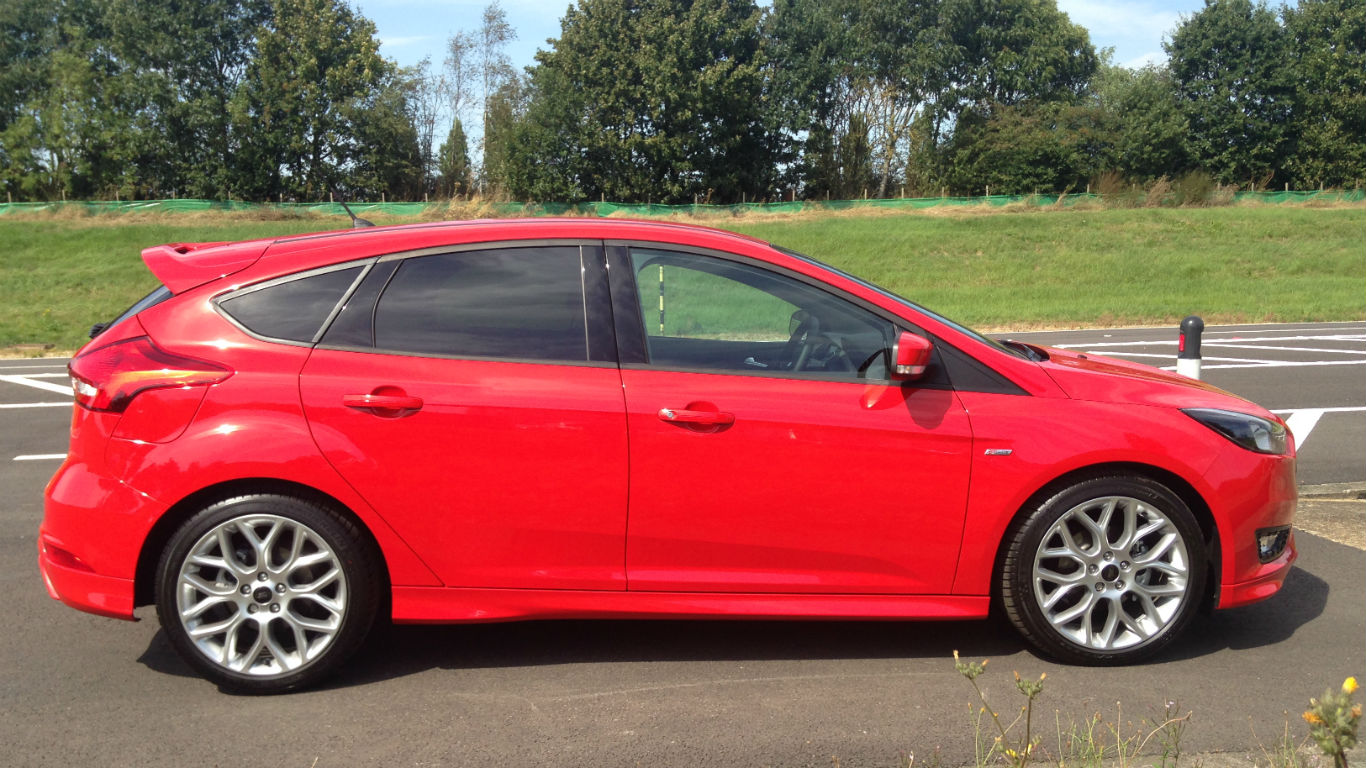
(625, 209)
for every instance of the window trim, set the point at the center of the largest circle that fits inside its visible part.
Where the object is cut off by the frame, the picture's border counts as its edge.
(633, 350)
(366, 265)
(591, 316)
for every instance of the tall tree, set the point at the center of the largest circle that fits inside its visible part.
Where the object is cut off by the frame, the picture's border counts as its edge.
(454, 163)
(1328, 59)
(315, 70)
(654, 100)
(497, 88)
(1229, 63)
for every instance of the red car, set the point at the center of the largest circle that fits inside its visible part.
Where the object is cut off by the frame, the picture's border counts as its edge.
(292, 439)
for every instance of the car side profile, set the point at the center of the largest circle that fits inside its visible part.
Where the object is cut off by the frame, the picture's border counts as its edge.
(292, 439)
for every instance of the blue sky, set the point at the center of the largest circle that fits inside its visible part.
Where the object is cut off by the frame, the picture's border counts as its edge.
(412, 29)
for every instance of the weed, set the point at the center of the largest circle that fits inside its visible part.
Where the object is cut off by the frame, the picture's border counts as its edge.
(1333, 721)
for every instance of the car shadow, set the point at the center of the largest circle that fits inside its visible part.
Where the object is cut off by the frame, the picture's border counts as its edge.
(395, 652)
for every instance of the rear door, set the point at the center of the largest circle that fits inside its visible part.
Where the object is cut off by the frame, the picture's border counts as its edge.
(769, 451)
(473, 398)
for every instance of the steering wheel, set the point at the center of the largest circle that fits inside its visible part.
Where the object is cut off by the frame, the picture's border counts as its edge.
(805, 326)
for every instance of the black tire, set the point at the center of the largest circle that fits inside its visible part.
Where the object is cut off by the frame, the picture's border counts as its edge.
(1086, 597)
(269, 624)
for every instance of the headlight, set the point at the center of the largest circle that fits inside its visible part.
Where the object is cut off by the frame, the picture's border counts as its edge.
(1251, 432)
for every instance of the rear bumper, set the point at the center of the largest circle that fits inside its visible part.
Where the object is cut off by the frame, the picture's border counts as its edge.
(74, 583)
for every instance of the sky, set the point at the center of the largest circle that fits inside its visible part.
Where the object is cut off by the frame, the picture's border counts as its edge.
(410, 30)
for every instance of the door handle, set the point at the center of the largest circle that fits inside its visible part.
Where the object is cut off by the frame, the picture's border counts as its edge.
(383, 404)
(703, 418)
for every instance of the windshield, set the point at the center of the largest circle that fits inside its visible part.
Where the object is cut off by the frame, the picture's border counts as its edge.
(963, 329)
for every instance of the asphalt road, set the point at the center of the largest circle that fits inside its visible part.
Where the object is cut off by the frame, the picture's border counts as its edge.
(77, 689)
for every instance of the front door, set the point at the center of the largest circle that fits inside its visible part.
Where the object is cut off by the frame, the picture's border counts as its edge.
(769, 451)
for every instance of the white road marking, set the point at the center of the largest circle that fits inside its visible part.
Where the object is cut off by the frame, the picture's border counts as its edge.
(41, 457)
(67, 404)
(1302, 421)
(1240, 345)
(1278, 364)
(65, 375)
(24, 381)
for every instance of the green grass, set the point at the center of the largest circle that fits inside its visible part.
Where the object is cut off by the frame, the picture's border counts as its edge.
(1002, 270)
(1104, 267)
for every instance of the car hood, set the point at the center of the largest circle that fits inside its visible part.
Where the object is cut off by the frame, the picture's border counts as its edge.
(1084, 376)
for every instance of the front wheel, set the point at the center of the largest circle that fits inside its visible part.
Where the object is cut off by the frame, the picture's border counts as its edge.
(1108, 571)
(267, 593)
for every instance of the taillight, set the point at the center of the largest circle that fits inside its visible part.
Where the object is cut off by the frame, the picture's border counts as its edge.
(108, 378)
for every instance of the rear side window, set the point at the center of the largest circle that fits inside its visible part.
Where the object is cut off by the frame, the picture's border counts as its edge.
(294, 310)
(507, 303)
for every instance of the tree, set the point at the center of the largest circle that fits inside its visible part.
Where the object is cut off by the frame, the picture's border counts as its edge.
(856, 74)
(1150, 130)
(655, 100)
(315, 71)
(188, 60)
(454, 163)
(1229, 64)
(1031, 147)
(1328, 61)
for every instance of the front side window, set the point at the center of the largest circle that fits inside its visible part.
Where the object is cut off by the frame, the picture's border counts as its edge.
(507, 303)
(709, 313)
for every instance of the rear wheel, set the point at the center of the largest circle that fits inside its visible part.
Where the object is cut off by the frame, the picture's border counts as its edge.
(267, 593)
(1109, 570)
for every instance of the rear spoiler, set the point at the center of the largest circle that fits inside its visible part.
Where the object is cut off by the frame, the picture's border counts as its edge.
(182, 266)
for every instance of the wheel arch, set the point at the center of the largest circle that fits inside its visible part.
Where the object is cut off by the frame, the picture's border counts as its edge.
(144, 580)
(1172, 481)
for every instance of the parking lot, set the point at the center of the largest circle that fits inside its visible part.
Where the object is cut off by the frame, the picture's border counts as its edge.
(79, 689)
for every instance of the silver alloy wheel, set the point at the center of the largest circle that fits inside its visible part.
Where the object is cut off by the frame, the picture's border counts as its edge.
(1111, 573)
(261, 595)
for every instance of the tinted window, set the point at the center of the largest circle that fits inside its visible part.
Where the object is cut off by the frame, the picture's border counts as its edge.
(709, 313)
(293, 310)
(518, 303)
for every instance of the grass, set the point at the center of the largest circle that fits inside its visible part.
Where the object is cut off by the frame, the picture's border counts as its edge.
(1006, 269)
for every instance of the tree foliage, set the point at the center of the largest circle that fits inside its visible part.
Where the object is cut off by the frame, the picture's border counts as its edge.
(668, 101)
(657, 100)
(1229, 67)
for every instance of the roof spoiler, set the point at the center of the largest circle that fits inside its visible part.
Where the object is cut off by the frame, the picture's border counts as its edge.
(182, 266)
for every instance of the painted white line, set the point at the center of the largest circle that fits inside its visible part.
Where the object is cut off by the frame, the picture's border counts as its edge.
(41, 457)
(65, 375)
(1343, 409)
(1301, 423)
(67, 404)
(1168, 357)
(32, 367)
(1221, 342)
(24, 381)
(1278, 364)
(1240, 345)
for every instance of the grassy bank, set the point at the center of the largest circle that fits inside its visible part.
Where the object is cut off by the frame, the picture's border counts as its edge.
(1002, 269)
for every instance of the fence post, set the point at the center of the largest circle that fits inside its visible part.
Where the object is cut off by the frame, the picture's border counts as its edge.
(1188, 347)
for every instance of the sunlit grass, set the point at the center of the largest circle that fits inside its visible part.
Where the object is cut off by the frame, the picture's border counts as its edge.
(1008, 269)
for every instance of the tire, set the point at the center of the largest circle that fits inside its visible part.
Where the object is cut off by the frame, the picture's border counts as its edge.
(267, 594)
(1107, 571)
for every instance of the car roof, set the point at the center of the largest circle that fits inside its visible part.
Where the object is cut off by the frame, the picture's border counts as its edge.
(181, 266)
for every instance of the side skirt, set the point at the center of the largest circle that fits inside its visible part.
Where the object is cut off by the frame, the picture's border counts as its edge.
(439, 605)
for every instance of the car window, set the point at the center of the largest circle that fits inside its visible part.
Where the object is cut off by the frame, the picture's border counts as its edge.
(508, 303)
(293, 310)
(709, 313)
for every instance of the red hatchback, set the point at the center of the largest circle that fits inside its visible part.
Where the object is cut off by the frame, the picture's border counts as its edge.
(482, 421)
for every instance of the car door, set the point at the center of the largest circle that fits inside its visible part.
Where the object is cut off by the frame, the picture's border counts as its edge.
(473, 398)
(769, 451)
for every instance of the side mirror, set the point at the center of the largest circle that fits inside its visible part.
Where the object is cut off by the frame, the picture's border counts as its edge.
(910, 357)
